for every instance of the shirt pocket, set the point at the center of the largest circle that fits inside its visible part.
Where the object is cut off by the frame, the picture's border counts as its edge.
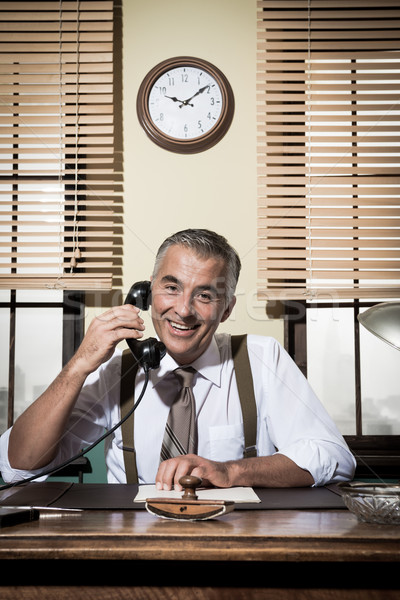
(226, 442)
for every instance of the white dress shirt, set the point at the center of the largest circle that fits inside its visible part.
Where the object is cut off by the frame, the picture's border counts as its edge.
(291, 420)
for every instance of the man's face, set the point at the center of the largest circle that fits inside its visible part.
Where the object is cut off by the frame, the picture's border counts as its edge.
(188, 302)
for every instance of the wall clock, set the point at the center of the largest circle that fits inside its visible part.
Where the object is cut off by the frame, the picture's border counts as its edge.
(185, 105)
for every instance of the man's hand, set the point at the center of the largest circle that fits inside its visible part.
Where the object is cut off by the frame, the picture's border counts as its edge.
(212, 473)
(105, 332)
(276, 470)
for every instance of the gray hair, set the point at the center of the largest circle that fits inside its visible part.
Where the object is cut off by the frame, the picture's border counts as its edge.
(206, 244)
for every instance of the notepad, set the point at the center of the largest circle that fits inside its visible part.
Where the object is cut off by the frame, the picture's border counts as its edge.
(234, 494)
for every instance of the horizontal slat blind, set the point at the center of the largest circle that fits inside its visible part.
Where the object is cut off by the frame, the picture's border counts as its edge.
(59, 188)
(328, 94)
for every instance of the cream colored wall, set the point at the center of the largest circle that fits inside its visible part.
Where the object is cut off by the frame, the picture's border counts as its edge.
(165, 192)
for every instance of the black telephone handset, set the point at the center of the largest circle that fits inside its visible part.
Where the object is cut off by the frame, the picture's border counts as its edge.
(147, 352)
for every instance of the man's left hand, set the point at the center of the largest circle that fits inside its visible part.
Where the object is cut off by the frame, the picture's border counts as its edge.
(276, 470)
(210, 472)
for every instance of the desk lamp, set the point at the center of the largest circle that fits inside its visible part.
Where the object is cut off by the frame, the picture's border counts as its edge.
(377, 503)
(383, 320)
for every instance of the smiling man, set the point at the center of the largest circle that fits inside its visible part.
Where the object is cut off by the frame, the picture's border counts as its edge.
(189, 302)
(193, 286)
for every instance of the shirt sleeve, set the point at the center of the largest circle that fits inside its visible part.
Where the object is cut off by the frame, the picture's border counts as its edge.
(9, 474)
(91, 415)
(297, 422)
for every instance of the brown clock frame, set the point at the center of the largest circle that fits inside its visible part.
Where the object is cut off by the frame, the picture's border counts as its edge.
(200, 143)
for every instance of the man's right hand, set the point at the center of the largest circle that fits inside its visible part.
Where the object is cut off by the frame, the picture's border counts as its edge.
(105, 332)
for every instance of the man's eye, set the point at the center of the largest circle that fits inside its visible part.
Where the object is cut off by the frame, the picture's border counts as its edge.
(172, 289)
(204, 297)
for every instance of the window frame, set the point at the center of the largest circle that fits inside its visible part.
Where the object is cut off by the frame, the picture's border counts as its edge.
(377, 456)
(72, 304)
(321, 80)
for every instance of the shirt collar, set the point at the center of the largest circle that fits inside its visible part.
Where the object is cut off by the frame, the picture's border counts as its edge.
(208, 365)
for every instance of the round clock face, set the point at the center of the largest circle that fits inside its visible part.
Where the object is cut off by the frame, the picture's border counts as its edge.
(185, 102)
(185, 105)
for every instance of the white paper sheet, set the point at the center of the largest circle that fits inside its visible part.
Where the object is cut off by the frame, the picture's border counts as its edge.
(235, 494)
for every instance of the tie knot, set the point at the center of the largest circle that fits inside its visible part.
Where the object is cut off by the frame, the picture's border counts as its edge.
(185, 376)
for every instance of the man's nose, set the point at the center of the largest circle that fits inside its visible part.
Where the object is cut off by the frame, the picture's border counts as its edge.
(184, 305)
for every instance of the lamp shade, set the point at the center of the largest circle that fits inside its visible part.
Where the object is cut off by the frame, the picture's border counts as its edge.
(383, 320)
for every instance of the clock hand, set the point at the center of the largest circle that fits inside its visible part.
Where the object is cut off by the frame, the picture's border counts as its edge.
(183, 102)
(175, 99)
(201, 90)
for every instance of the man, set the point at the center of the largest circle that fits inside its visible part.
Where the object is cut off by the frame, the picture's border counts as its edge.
(193, 287)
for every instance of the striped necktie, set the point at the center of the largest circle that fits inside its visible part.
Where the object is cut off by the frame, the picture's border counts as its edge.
(180, 436)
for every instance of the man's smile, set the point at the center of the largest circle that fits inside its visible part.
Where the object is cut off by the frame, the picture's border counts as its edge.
(182, 327)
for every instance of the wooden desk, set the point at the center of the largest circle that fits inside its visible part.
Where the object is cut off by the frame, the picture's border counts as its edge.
(259, 554)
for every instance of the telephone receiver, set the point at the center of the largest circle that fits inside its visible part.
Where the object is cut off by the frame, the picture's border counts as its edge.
(148, 352)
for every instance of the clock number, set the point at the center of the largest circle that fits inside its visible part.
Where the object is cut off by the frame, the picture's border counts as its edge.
(171, 81)
(185, 78)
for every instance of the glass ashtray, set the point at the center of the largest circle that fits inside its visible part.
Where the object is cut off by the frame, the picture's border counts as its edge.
(373, 502)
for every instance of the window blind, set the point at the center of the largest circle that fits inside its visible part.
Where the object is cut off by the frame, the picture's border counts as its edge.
(59, 187)
(328, 147)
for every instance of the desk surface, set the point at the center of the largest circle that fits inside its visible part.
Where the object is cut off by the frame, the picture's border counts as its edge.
(262, 535)
(245, 555)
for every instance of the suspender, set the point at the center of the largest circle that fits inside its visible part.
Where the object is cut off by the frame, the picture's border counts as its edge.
(244, 382)
(128, 375)
(246, 394)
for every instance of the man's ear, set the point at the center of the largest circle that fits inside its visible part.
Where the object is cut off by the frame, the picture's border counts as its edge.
(228, 310)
